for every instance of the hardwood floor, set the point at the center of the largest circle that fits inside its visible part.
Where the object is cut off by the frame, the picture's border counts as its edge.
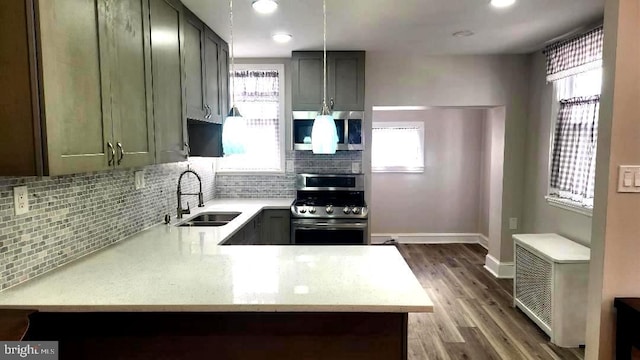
(474, 317)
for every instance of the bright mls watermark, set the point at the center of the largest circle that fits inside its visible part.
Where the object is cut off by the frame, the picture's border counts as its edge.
(42, 350)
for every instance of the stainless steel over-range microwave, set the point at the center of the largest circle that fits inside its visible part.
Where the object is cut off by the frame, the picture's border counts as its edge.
(348, 123)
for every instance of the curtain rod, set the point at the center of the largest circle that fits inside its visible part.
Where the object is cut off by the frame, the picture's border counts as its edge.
(574, 33)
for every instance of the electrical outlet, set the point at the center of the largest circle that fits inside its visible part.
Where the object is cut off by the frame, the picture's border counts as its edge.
(290, 167)
(139, 179)
(21, 200)
(355, 167)
(513, 223)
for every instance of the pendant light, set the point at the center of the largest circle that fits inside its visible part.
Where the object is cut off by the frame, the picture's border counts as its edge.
(234, 129)
(324, 135)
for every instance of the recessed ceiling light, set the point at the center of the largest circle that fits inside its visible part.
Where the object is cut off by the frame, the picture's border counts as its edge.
(502, 3)
(282, 38)
(463, 33)
(265, 6)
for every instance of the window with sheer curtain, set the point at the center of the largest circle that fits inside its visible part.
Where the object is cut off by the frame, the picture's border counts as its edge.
(259, 96)
(575, 68)
(397, 147)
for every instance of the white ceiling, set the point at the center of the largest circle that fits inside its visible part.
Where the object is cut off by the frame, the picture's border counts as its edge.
(423, 26)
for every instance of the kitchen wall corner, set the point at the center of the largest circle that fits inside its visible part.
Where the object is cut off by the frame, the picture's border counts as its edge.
(74, 215)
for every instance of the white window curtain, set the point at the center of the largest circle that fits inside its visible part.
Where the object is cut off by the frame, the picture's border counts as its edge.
(574, 56)
(575, 67)
(398, 147)
(574, 151)
(258, 96)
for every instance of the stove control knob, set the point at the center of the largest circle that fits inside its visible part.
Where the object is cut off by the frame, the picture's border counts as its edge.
(329, 209)
(312, 210)
(356, 210)
(302, 209)
(346, 210)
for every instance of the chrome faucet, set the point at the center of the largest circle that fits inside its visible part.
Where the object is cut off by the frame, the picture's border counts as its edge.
(182, 211)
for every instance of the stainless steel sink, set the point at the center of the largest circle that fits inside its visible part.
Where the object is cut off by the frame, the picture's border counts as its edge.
(211, 219)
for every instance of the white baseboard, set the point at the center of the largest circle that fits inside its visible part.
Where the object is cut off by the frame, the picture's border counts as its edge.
(429, 238)
(483, 241)
(500, 270)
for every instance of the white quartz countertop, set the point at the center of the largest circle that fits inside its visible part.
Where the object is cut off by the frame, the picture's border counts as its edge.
(554, 247)
(169, 268)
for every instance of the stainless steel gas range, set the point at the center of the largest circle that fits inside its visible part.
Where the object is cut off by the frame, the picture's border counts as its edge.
(329, 210)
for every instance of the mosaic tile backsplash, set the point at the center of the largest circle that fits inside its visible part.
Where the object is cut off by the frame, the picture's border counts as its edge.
(74, 215)
(278, 186)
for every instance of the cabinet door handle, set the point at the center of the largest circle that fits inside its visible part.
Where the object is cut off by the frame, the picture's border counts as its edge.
(187, 148)
(112, 158)
(208, 110)
(332, 103)
(121, 149)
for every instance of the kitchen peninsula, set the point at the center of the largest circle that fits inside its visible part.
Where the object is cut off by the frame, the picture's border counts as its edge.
(173, 291)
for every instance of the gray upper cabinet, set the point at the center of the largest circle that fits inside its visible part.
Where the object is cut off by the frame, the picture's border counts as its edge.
(202, 66)
(82, 70)
(212, 73)
(131, 85)
(167, 29)
(93, 85)
(223, 66)
(345, 80)
(75, 85)
(307, 80)
(194, 67)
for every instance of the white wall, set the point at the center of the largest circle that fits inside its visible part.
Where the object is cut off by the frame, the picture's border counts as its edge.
(450, 81)
(539, 216)
(495, 119)
(615, 239)
(485, 178)
(446, 197)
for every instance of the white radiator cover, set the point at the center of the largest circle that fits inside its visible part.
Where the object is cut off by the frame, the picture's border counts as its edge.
(550, 285)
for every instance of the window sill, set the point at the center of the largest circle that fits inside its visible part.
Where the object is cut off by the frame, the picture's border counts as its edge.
(246, 172)
(399, 169)
(567, 204)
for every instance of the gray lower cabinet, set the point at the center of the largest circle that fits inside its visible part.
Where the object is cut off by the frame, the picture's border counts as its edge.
(167, 37)
(276, 226)
(236, 239)
(76, 83)
(270, 227)
(345, 80)
(249, 234)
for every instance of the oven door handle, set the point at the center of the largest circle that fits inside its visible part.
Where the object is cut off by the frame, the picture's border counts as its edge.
(328, 226)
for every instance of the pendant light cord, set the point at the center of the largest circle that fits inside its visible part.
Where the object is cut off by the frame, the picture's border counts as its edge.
(233, 78)
(324, 42)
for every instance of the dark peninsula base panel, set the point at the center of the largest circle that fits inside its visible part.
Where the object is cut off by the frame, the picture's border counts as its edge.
(279, 336)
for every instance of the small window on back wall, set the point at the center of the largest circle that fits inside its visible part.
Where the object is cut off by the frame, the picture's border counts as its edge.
(397, 147)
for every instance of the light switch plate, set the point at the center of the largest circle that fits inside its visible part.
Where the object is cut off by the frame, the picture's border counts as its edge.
(513, 223)
(139, 179)
(21, 200)
(629, 179)
(355, 167)
(290, 167)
